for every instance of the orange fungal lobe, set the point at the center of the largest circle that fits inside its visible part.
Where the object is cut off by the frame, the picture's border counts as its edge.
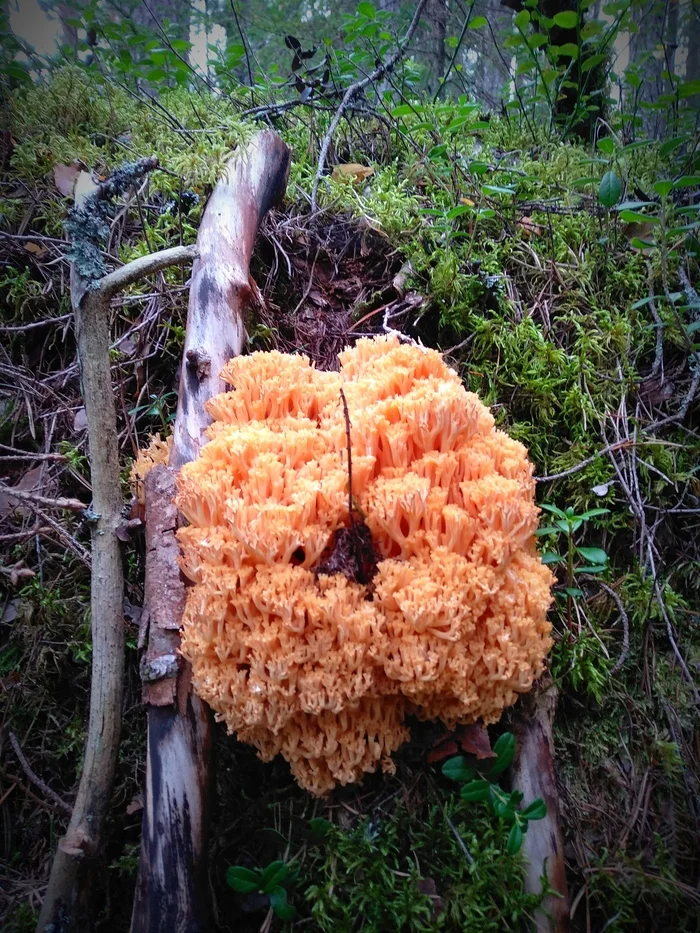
(300, 659)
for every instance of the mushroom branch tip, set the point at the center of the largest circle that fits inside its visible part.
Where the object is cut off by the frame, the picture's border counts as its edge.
(298, 657)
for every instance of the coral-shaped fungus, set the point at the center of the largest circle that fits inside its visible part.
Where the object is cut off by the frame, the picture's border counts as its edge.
(310, 663)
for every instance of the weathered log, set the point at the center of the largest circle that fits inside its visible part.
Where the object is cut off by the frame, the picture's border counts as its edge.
(171, 885)
(533, 773)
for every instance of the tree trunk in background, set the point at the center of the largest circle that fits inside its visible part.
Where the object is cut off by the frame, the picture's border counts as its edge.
(151, 14)
(690, 31)
(436, 18)
(647, 53)
(490, 75)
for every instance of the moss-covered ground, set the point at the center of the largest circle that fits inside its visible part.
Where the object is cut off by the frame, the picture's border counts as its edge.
(550, 309)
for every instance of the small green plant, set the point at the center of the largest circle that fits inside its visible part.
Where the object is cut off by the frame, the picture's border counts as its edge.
(479, 782)
(270, 881)
(595, 559)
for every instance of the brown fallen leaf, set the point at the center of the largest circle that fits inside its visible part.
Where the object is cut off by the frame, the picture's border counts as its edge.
(35, 249)
(30, 482)
(467, 201)
(135, 805)
(529, 227)
(80, 420)
(475, 741)
(351, 171)
(445, 749)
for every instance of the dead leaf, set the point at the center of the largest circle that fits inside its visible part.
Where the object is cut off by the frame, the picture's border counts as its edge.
(529, 227)
(30, 482)
(84, 185)
(475, 741)
(467, 201)
(80, 420)
(444, 750)
(351, 171)
(64, 177)
(35, 249)
(135, 805)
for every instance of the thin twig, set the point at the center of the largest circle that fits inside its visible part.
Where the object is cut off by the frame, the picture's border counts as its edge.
(35, 779)
(624, 618)
(21, 328)
(583, 464)
(75, 505)
(353, 91)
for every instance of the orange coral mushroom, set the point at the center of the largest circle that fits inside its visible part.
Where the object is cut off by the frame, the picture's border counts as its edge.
(311, 664)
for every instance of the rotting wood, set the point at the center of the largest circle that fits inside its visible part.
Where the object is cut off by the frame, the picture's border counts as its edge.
(68, 903)
(533, 773)
(171, 884)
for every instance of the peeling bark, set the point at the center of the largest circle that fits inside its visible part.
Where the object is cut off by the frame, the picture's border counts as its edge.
(171, 886)
(533, 773)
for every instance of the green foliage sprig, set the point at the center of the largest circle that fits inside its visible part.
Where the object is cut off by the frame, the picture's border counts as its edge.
(479, 783)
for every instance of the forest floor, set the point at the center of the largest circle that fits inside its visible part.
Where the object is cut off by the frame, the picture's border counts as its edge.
(564, 322)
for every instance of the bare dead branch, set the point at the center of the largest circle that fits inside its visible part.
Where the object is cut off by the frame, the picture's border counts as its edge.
(24, 495)
(35, 779)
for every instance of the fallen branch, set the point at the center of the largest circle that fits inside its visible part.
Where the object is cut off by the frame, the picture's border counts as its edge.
(35, 779)
(533, 774)
(74, 505)
(171, 889)
(67, 905)
(353, 91)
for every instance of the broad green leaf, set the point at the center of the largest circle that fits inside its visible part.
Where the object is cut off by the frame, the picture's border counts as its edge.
(607, 145)
(595, 555)
(570, 49)
(476, 790)
(591, 513)
(521, 19)
(478, 168)
(278, 902)
(274, 874)
(594, 568)
(478, 22)
(243, 880)
(457, 769)
(573, 591)
(438, 152)
(504, 749)
(635, 217)
(663, 188)
(458, 211)
(320, 827)
(515, 839)
(686, 181)
(567, 19)
(555, 510)
(548, 530)
(610, 189)
(497, 189)
(404, 110)
(688, 89)
(551, 557)
(591, 62)
(366, 9)
(537, 810)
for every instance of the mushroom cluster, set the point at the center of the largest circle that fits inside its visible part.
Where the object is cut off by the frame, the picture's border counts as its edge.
(320, 666)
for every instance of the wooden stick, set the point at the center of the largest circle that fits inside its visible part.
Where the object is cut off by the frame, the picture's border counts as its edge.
(68, 903)
(533, 773)
(171, 890)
